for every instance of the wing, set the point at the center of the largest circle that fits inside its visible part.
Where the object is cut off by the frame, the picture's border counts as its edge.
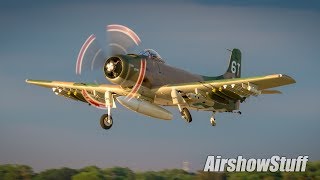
(85, 92)
(235, 88)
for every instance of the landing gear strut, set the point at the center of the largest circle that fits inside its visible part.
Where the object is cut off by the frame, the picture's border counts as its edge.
(106, 121)
(212, 119)
(185, 114)
(178, 100)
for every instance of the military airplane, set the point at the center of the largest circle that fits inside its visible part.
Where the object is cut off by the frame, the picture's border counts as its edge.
(143, 82)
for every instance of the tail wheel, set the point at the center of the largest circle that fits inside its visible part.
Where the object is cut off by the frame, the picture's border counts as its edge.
(186, 115)
(212, 121)
(106, 121)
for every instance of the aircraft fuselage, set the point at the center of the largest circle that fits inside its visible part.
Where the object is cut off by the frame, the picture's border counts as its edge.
(149, 73)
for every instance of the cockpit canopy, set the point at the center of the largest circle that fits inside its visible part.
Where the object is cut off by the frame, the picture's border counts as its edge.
(151, 54)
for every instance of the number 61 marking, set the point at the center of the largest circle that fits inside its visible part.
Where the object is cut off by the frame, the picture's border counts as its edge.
(234, 69)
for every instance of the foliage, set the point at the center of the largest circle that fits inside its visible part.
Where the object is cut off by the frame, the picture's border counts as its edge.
(13, 171)
(53, 174)
(119, 173)
(172, 174)
(88, 175)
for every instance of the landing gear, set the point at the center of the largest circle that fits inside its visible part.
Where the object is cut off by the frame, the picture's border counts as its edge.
(178, 100)
(185, 114)
(212, 119)
(106, 121)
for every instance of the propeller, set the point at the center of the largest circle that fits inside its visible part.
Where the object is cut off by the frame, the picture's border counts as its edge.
(122, 39)
(92, 56)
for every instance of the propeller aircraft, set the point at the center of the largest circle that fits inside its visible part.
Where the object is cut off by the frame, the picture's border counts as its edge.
(144, 83)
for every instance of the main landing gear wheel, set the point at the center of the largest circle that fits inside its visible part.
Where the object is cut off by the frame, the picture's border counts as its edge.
(186, 115)
(106, 121)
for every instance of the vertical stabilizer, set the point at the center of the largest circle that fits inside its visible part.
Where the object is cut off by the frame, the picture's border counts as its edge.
(234, 69)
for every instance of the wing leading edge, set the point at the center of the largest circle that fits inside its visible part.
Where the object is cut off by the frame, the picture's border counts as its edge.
(102, 88)
(85, 92)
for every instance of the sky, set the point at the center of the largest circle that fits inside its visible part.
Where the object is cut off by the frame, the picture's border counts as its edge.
(41, 40)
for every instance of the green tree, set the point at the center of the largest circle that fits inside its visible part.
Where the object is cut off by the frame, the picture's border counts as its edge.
(93, 175)
(23, 172)
(149, 175)
(53, 174)
(171, 174)
(90, 169)
(119, 173)
(176, 174)
(89, 172)
(210, 175)
(16, 172)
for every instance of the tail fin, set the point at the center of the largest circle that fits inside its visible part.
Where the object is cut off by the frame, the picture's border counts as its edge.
(234, 69)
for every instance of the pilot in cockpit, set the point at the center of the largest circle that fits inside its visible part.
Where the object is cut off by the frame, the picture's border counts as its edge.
(152, 54)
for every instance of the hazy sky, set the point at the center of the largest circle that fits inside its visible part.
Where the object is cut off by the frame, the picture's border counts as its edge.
(41, 40)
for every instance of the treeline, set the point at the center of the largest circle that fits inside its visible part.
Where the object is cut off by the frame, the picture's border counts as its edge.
(12, 172)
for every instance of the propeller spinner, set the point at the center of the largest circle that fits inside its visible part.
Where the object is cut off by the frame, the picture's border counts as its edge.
(113, 67)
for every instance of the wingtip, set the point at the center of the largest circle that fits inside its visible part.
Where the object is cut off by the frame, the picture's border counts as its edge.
(288, 77)
(29, 81)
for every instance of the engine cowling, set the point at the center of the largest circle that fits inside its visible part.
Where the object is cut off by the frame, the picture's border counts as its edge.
(117, 70)
(126, 70)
